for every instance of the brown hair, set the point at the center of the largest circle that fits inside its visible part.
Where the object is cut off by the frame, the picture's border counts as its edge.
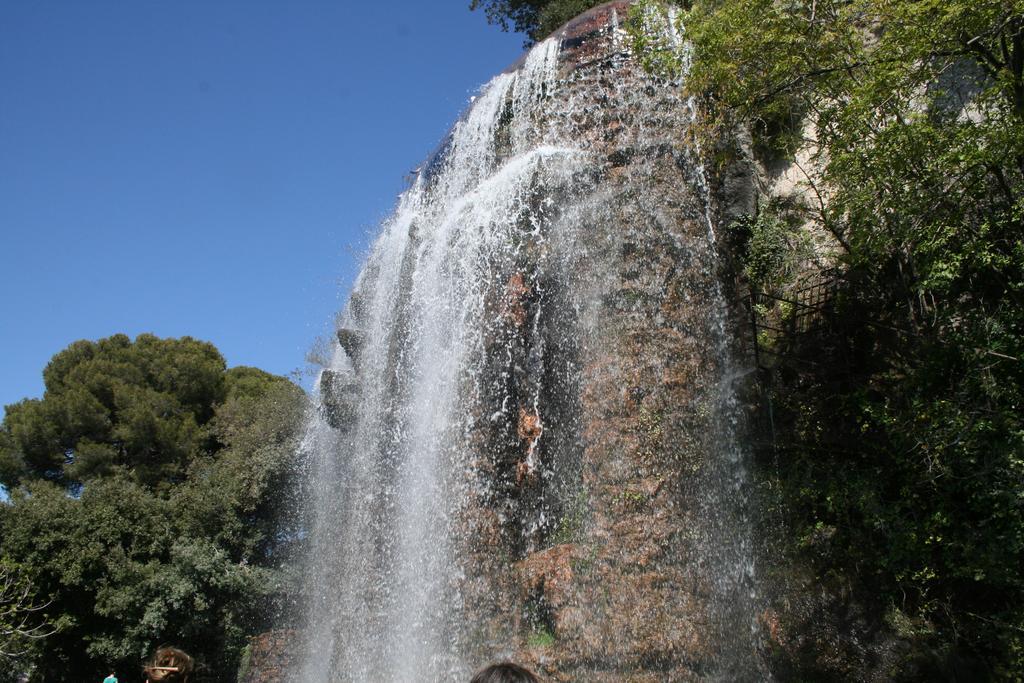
(168, 665)
(506, 672)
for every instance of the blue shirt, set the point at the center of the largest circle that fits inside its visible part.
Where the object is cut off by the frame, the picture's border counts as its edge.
(110, 679)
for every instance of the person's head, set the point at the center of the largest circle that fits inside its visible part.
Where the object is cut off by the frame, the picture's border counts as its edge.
(506, 672)
(168, 665)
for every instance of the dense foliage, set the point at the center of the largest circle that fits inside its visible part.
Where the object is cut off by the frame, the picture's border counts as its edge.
(22, 621)
(900, 433)
(149, 503)
(536, 18)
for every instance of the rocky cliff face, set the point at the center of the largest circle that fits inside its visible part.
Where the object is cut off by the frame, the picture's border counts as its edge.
(642, 577)
(529, 445)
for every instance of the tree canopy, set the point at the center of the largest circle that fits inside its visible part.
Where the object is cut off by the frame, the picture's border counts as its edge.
(536, 18)
(150, 493)
(900, 444)
(116, 404)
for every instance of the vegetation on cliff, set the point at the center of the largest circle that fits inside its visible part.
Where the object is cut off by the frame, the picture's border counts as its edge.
(149, 503)
(899, 430)
(536, 18)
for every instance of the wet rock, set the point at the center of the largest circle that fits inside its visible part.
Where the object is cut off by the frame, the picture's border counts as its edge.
(530, 427)
(621, 157)
(269, 657)
(548, 573)
(514, 305)
(352, 341)
(339, 399)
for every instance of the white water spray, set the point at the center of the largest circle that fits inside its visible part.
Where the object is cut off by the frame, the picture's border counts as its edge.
(455, 394)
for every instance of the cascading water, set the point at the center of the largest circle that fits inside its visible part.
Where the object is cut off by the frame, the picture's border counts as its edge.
(526, 444)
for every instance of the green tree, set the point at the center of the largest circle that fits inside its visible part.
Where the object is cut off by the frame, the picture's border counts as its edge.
(151, 496)
(536, 18)
(22, 623)
(912, 456)
(113, 404)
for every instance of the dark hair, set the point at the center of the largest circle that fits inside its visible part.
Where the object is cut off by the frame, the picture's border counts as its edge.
(506, 672)
(168, 665)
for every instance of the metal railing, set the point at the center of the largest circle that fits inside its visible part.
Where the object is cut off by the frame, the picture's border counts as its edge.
(807, 311)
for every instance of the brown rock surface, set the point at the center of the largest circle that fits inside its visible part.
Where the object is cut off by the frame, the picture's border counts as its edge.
(612, 591)
(270, 656)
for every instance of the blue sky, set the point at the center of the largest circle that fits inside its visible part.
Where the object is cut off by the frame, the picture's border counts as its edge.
(214, 169)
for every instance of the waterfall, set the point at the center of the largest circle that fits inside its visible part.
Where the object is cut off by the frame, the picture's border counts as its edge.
(526, 444)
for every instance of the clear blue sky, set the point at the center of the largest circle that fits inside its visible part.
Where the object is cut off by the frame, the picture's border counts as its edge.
(211, 168)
